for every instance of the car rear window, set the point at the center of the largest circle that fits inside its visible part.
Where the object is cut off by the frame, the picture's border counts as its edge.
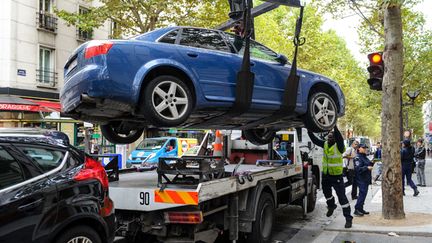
(202, 38)
(11, 172)
(46, 158)
(170, 38)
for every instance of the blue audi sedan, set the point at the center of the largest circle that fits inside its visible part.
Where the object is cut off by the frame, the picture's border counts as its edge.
(183, 77)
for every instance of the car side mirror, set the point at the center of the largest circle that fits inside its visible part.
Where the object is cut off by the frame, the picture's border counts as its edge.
(282, 59)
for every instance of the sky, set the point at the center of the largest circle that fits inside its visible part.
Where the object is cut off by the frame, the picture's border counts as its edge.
(346, 28)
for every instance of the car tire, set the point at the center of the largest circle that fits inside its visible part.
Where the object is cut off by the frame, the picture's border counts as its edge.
(260, 136)
(167, 101)
(321, 115)
(264, 220)
(83, 233)
(111, 133)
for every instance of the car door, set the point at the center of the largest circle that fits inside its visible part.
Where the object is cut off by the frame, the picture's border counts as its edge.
(28, 206)
(171, 148)
(270, 74)
(211, 59)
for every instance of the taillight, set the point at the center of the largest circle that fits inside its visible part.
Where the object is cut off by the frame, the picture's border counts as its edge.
(95, 48)
(183, 217)
(92, 170)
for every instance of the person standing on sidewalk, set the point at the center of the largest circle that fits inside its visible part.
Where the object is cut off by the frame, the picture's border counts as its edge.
(377, 160)
(332, 173)
(407, 157)
(363, 168)
(420, 157)
(349, 156)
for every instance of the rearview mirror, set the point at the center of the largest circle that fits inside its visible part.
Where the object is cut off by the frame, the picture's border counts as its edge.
(282, 59)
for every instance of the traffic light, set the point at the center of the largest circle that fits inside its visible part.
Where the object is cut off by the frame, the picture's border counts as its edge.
(376, 70)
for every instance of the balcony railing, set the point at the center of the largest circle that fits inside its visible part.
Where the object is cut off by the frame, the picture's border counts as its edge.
(84, 35)
(46, 21)
(46, 78)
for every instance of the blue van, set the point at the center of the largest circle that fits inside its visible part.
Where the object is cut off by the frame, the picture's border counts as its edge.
(147, 153)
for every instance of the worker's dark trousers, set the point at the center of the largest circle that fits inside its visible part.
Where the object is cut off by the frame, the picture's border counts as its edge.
(350, 174)
(363, 190)
(329, 181)
(406, 172)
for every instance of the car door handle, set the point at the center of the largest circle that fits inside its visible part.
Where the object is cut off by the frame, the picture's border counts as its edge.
(31, 205)
(191, 54)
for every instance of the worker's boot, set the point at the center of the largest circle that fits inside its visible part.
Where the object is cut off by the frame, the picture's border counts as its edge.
(416, 192)
(330, 210)
(348, 223)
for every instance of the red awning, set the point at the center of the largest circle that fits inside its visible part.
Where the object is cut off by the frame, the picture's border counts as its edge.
(47, 106)
(13, 103)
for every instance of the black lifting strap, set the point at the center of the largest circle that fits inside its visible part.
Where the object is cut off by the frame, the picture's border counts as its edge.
(289, 99)
(245, 78)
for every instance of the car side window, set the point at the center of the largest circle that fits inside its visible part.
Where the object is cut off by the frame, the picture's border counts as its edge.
(46, 158)
(256, 49)
(170, 38)
(202, 38)
(11, 172)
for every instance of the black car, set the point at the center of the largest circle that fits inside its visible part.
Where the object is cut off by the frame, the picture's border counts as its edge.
(50, 192)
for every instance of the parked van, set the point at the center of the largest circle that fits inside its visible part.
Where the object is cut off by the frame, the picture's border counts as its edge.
(148, 152)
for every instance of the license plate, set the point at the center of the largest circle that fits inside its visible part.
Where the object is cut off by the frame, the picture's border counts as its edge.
(73, 64)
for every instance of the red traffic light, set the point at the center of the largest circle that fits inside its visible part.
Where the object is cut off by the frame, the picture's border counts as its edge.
(375, 58)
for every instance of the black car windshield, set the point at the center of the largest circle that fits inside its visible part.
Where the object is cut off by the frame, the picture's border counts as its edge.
(151, 144)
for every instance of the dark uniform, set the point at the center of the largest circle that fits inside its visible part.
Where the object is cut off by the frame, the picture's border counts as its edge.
(363, 177)
(407, 157)
(332, 174)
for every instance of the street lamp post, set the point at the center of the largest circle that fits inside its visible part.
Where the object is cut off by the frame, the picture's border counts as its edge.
(412, 95)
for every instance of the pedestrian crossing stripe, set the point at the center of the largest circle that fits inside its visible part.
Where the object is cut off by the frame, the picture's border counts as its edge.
(176, 197)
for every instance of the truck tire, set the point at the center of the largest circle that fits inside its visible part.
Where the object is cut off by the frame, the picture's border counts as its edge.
(312, 197)
(264, 219)
(113, 134)
(79, 234)
(260, 136)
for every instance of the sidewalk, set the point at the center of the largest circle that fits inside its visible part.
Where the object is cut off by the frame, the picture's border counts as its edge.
(418, 211)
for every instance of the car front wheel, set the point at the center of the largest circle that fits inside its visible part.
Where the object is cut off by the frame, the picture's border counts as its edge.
(79, 234)
(118, 134)
(167, 101)
(321, 115)
(260, 136)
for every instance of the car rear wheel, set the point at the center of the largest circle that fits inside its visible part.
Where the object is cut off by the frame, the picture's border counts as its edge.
(79, 234)
(260, 136)
(120, 134)
(167, 101)
(321, 115)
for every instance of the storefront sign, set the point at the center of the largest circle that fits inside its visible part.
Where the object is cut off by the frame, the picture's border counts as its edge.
(15, 107)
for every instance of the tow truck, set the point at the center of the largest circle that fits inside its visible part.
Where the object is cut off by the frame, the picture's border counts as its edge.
(201, 199)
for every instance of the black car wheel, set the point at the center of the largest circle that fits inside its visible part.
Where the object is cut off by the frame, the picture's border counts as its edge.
(79, 234)
(168, 101)
(118, 134)
(321, 114)
(264, 219)
(260, 136)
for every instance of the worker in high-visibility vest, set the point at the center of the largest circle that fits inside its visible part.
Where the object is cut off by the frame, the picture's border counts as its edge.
(332, 173)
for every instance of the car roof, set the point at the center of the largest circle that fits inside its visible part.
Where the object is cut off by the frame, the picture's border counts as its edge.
(28, 135)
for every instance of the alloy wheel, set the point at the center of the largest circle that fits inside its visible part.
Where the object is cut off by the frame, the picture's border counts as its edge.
(80, 239)
(324, 111)
(170, 100)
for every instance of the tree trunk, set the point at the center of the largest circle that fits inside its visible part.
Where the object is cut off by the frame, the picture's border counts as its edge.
(391, 107)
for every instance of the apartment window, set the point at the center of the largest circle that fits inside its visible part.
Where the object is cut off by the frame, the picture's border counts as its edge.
(84, 34)
(115, 30)
(45, 17)
(46, 75)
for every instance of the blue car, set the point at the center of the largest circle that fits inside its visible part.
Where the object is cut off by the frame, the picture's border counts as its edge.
(183, 76)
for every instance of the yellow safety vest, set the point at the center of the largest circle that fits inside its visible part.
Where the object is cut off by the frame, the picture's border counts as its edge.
(332, 161)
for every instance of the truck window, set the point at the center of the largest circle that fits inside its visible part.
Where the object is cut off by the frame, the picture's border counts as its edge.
(151, 144)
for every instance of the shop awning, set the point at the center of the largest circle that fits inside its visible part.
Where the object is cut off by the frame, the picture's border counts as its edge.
(13, 103)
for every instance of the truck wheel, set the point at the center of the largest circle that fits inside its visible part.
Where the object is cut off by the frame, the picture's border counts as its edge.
(79, 234)
(114, 133)
(167, 101)
(260, 136)
(264, 219)
(321, 115)
(312, 197)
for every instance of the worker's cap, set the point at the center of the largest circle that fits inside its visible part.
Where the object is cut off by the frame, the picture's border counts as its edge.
(362, 145)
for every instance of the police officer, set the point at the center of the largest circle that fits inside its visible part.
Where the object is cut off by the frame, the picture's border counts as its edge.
(363, 168)
(332, 168)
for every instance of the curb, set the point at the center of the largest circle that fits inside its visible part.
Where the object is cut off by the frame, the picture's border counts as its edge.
(400, 233)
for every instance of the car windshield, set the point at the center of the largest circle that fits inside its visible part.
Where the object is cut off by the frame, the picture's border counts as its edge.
(151, 144)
